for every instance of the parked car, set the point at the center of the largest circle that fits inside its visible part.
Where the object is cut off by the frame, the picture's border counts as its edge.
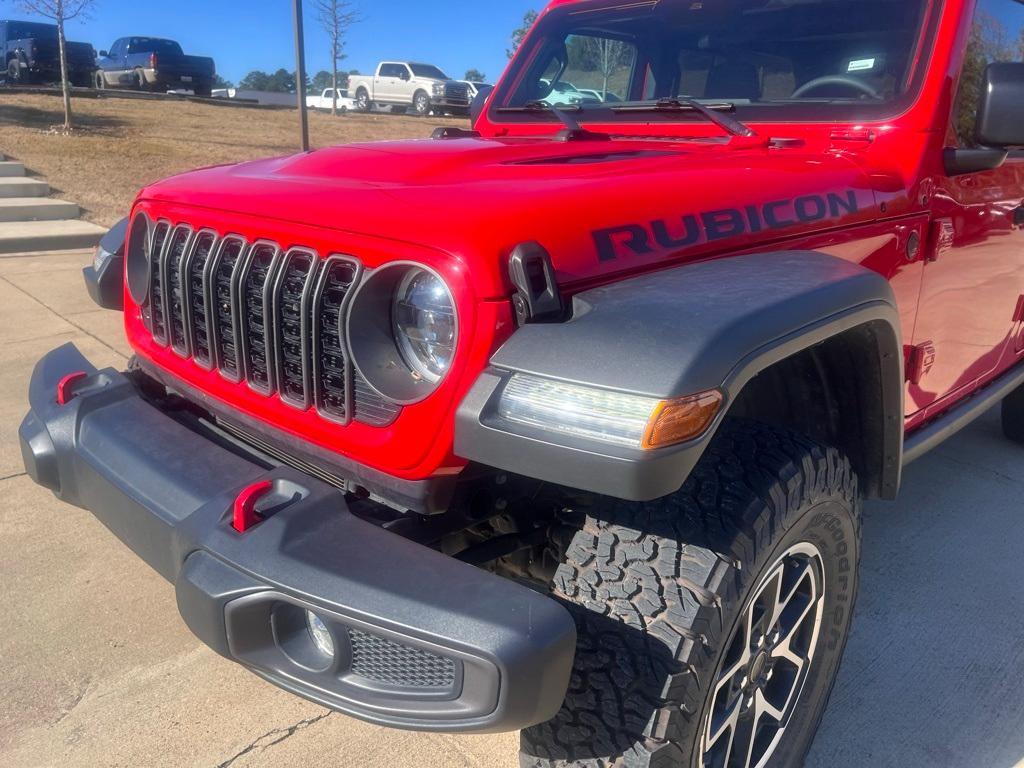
(597, 96)
(590, 462)
(327, 101)
(563, 94)
(475, 88)
(31, 54)
(402, 85)
(153, 64)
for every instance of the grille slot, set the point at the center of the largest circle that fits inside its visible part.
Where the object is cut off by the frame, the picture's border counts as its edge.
(253, 299)
(157, 299)
(292, 326)
(370, 408)
(256, 313)
(220, 278)
(174, 294)
(197, 319)
(332, 370)
(385, 661)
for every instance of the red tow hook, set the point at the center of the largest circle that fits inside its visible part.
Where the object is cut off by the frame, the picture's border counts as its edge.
(245, 514)
(65, 391)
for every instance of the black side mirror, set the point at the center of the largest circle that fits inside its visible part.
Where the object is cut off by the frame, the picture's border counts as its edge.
(1001, 113)
(104, 55)
(1000, 121)
(405, 75)
(476, 108)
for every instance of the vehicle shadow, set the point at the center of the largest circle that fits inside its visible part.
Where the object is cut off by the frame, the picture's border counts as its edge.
(42, 119)
(934, 671)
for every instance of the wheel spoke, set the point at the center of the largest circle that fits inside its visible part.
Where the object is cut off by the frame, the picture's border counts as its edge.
(764, 707)
(729, 723)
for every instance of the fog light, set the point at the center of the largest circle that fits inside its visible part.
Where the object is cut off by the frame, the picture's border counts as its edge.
(320, 634)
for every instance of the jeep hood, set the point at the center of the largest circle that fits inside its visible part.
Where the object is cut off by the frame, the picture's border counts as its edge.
(598, 207)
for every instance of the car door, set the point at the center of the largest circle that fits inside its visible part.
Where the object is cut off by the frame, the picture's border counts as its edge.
(111, 63)
(385, 85)
(972, 296)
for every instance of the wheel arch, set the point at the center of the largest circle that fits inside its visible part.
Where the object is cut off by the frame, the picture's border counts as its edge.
(804, 323)
(843, 391)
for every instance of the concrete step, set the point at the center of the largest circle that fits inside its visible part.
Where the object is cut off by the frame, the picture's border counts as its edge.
(33, 236)
(23, 187)
(10, 168)
(36, 209)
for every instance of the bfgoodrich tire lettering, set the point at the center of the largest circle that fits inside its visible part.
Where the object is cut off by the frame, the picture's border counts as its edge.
(659, 589)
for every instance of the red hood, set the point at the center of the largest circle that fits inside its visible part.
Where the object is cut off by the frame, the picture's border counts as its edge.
(599, 207)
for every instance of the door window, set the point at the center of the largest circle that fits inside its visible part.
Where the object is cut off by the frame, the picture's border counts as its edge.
(391, 70)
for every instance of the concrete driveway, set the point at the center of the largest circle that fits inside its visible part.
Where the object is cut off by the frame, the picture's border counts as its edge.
(97, 670)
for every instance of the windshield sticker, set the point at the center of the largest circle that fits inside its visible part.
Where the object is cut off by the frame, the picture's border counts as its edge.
(693, 229)
(861, 65)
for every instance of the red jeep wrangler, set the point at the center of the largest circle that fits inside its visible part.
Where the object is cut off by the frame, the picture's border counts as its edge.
(563, 424)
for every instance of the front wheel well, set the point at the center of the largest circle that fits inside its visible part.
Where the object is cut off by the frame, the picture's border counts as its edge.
(844, 392)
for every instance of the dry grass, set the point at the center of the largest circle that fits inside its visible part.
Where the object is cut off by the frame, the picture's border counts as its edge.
(124, 145)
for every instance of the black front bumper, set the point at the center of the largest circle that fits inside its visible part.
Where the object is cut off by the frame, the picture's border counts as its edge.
(421, 640)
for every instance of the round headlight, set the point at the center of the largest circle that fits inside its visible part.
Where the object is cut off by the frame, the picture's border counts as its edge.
(425, 326)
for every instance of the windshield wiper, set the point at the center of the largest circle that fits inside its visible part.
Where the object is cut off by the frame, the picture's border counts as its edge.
(727, 123)
(573, 130)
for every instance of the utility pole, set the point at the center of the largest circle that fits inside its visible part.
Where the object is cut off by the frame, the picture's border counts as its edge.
(300, 75)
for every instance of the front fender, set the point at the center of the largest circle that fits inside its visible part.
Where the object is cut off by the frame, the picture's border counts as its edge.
(683, 331)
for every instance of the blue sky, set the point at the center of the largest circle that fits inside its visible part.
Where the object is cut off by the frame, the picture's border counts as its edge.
(257, 34)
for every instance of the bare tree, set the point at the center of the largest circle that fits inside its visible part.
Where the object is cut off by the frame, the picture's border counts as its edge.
(60, 11)
(608, 57)
(336, 17)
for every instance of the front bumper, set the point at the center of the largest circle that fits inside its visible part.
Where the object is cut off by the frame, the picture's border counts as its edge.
(421, 640)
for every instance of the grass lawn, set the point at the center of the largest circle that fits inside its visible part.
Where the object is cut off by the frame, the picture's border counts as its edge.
(122, 145)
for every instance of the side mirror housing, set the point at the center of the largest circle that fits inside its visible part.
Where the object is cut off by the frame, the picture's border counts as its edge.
(405, 75)
(104, 55)
(1000, 122)
(1001, 112)
(476, 108)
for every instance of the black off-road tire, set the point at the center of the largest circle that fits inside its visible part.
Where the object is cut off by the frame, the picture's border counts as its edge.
(1013, 416)
(658, 589)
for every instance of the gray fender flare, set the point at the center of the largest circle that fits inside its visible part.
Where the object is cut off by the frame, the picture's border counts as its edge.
(682, 331)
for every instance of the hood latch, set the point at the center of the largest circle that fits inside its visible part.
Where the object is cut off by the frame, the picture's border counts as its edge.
(537, 297)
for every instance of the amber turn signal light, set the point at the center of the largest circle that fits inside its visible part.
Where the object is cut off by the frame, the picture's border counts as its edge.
(675, 421)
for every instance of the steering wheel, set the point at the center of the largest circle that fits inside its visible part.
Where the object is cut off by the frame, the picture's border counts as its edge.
(849, 82)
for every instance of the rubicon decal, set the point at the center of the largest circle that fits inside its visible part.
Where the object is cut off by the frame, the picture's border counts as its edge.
(696, 228)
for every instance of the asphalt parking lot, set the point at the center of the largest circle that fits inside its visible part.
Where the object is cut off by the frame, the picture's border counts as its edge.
(97, 670)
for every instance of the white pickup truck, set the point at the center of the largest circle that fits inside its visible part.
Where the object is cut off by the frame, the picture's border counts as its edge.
(403, 85)
(325, 101)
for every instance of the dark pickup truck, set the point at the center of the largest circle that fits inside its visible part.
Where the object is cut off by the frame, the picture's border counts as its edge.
(153, 64)
(32, 54)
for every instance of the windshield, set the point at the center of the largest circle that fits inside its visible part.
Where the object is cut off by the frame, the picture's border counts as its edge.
(754, 54)
(428, 70)
(26, 30)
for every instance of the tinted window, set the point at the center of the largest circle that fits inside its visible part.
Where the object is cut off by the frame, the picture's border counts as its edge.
(155, 45)
(391, 70)
(24, 30)
(996, 35)
(427, 70)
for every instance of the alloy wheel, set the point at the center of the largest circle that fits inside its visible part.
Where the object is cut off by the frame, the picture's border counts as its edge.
(766, 663)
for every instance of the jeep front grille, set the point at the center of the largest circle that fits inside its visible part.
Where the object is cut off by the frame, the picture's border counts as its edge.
(264, 317)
